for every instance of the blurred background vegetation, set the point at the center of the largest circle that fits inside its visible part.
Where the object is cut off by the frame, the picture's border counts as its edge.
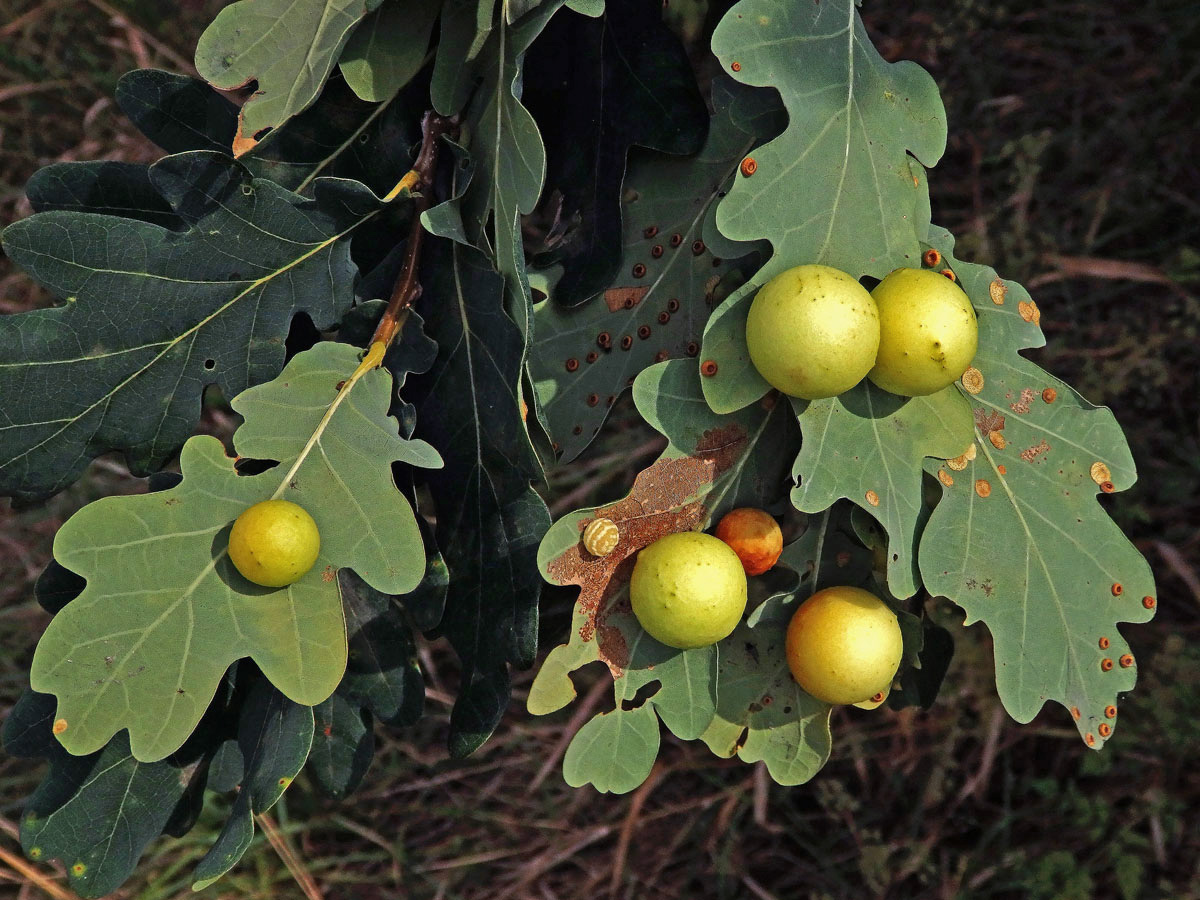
(1073, 168)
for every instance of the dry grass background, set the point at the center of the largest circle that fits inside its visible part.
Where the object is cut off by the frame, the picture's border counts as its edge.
(1072, 167)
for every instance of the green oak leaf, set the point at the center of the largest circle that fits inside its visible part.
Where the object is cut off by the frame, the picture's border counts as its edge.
(287, 48)
(165, 613)
(388, 48)
(95, 813)
(666, 226)
(599, 88)
(712, 464)
(838, 187)
(177, 112)
(465, 26)
(870, 447)
(489, 519)
(274, 738)
(100, 186)
(613, 751)
(1019, 539)
(343, 745)
(163, 313)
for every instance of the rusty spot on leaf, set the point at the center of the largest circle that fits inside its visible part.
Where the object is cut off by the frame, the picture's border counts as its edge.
(872, 498)
(1100, 473)
(986, 421)
(1030, 454)
(1029, 312)
(1003, 470)
(1022, 405)
(1090, 739)
(619, 298)
(997, 290)
(983, 488)
(1049, 395)
(945, 478)
(1075, 713)
(972, 380)
(657, 505)
(60, 725)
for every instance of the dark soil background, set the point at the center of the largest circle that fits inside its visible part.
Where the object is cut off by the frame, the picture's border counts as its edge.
(1073, 168)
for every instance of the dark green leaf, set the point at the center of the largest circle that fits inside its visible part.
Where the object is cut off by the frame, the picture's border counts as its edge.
(274, 737)
(343, 745)
(177, 112)
(465, 27)
(489, 520)
(596, 88)
(165, 314)
(382, 672)
(104, 187)
(95, 813)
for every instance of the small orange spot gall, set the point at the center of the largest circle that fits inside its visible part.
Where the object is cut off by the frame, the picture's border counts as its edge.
(1106, 665)
(78, 869)
(872, 498)
(1126, 661)
(601, 537)
(1110, 711)
(931, 257)
(572, 364)
(1049, 395)
(736, 66)
(604, 340)
(1105, 729)
(972, 380)
(60, 725)
(1108, 487)
(697, 247)
(676, 239)
(1103, 643)
(657, 250)
(328, 730)
(983, 488)
(1075, 712)
(1090, 738)
(1148, 602)
(878, 698)
(692, 348)
(673, 305)
(592, 356)
(708, 367)
(643, 331)
(627, 342)
(749, 166)
(950, 274)
(650, 231)
(1003, 470)
(639, 270)
(997, 289)
(1117, 589)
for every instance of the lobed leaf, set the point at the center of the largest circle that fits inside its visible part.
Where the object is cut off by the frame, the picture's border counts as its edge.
(870, 446)
(165, 613)
(838, 187)
(597, 88)
(154, 316)
(285, 48)
(1019, 539)
(488, 518)
(583, 358)
(388, 48)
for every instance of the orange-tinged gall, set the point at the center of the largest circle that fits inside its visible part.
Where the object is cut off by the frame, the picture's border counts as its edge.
(928, 332)
(813, 331)
(274, 543)
(754, 536)
(844, 645)
(688, 590)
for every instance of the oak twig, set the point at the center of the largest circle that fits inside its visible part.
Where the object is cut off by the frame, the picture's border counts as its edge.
(418, 182)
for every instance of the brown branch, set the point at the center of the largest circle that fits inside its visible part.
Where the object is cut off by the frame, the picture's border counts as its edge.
(419, 182)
